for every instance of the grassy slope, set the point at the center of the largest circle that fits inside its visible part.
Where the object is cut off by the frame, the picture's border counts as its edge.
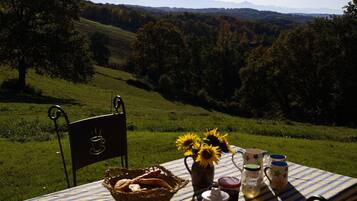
(147, 110)
(42, 173)
(151, 116)
(119, 39)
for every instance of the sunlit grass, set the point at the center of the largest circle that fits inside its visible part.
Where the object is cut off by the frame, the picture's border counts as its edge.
(33, 168)
(119, 39)
(147, 110)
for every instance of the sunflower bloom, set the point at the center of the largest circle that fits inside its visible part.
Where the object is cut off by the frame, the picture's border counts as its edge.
(213, 136)
(188, 153)
(224, 145)
(207, 155)
(186, 142)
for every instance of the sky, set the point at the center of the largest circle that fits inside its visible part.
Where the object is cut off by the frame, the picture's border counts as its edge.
(308, 6)
(332, 4)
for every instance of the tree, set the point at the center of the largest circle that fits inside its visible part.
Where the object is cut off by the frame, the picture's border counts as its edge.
(128, 18)
(222, 74)
(351, 8)
(40, 34)
(308, 74)
(101, 52)
(160, 49)
(200, 39)
(255, 94)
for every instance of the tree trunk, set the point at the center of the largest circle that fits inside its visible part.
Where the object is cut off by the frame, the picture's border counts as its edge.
(22, 76)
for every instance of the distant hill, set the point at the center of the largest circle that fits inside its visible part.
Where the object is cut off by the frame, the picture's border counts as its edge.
(281, 9)
(266, 6)
(242, 13)
(119, 39)
(122, 16)
(132, 17)
(120, 22)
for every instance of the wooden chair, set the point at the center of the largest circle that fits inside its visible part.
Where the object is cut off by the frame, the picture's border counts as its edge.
(93, 139)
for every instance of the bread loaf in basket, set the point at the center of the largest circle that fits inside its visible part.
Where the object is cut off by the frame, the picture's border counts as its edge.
(158, 193)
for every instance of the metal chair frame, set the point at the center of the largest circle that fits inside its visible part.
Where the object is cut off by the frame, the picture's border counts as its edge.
(55, 112)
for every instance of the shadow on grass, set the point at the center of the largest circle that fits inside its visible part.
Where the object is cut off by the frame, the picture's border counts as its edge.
(141, 84)
(110, 76)
(187, 100)
(10, 92)
(12, 97)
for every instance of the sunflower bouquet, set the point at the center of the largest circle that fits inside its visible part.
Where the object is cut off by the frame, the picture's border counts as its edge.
(205, 151)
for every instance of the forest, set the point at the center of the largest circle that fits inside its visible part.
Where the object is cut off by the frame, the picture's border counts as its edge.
(299, 71)
(289, 67)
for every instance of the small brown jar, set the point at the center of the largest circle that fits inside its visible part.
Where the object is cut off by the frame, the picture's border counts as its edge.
(230, 185)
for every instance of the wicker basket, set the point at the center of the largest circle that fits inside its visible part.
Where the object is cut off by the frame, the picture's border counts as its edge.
(112, 175)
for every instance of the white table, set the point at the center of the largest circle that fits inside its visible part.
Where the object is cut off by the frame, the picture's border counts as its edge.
(303, 183)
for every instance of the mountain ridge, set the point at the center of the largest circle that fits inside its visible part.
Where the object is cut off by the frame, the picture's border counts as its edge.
(289, 10)
(225, 4)
(242, 13)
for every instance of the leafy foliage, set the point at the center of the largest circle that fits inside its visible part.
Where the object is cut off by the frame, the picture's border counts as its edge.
(166, 56)
(198, 58)
(351, 9)
(119, 43)
(308, 74)
(241, 13)
(101, 52)
(40, 34)
(116, 15)
(133, 18)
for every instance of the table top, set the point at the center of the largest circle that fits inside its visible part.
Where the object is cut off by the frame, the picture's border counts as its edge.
(303, 183)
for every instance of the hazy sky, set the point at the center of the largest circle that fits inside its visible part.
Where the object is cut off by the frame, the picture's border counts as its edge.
(302, 4)
(333, 4)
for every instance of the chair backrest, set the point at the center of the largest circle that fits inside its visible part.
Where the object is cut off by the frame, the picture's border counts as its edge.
(94, 139)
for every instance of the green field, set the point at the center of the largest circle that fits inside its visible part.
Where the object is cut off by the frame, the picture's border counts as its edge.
(30, 165)
(119, 39)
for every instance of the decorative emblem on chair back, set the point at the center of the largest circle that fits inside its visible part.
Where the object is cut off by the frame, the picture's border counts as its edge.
(97, 142)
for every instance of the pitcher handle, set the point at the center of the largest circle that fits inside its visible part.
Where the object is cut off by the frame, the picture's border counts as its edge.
(266, 158)
(185, 161)
(234, 163)
(266, 174)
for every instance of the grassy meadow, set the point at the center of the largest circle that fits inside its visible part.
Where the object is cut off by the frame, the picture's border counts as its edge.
(30, 164)
(120, 40)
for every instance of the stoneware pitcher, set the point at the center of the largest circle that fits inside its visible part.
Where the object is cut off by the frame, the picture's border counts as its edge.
(250, 156)
(201, 177)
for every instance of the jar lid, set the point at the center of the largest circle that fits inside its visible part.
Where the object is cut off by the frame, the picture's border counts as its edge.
(277, 156)
(252, 167)
(215, 194)
(229, 182)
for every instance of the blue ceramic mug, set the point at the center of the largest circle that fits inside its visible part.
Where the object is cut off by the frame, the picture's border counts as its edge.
(278, 176)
